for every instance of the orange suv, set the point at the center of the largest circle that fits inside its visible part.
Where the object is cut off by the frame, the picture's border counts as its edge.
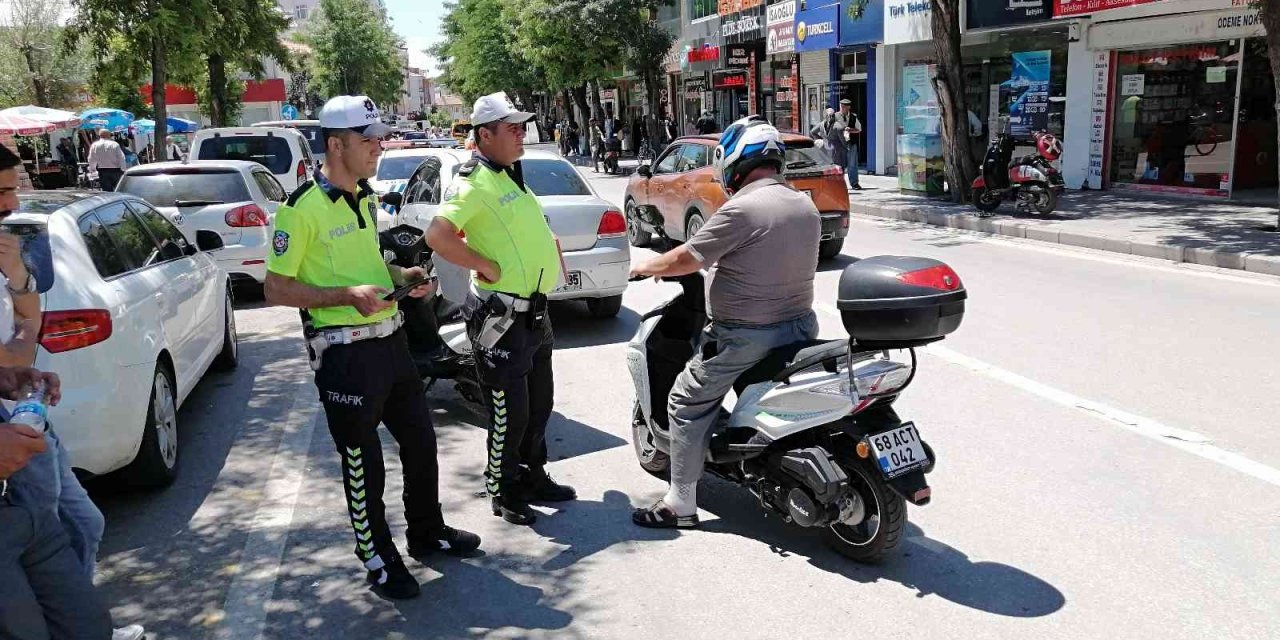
(682, 184)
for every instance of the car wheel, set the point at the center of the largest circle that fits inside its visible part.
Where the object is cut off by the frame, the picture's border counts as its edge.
(635, 233)
(157, 462)
(604, 307)
(229, 357)
(828, 249)
(692, 224)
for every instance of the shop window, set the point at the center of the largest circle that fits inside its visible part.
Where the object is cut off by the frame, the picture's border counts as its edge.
(1174, 116)
(853, 66)
(699, 9)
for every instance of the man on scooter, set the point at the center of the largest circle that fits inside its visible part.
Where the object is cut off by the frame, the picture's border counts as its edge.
(762, 249)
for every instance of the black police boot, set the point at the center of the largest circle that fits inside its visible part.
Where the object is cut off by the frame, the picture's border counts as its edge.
(394, 581)
(537, 486)
(514, 509)
(452, 541)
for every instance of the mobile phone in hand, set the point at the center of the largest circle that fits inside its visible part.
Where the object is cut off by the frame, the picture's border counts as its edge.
(403, 290)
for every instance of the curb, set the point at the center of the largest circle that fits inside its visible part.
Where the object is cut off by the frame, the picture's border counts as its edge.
(1253, 263)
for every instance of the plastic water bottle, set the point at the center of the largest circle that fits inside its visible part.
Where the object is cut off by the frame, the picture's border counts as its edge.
(31, 409)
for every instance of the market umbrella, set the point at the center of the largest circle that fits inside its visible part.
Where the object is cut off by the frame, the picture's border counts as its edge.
(57, 117)
(20, 125)
(113, 120)
(176, 125)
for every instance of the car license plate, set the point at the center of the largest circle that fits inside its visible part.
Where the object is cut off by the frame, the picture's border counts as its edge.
(898, 450)
(572, 281)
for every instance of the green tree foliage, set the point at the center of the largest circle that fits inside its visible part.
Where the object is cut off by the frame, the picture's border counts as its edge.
(33, 68)
(242, 34)
(117, 76)
(354, 52)
(481, 52)
(439, 118)
(159, 31)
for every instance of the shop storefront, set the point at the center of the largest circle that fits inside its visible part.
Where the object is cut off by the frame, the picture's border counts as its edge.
(702, 60)
(1190, 104)
(917, 116)
(817, 33)
(778, 76)
(737, 82)
(1015, 71)
(861, 29)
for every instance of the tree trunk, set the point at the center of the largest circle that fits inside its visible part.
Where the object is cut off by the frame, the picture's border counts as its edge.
(584, 110)
(948, 82)
(160, 138)
(651, 108)
(597, 110)
(37, 81)
(218, 90)
(1271, 23)
(567, 96)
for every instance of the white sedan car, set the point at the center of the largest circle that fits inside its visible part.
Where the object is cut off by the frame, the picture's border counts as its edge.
(592, 232)
(135, 317)
(236, 198)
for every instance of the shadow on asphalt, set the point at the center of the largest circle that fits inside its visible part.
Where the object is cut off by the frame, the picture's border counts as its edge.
(575, 328)
(928, 566)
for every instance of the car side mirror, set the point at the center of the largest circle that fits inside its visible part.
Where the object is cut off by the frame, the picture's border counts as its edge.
(208, 240)
(393, 198)
(644, 171)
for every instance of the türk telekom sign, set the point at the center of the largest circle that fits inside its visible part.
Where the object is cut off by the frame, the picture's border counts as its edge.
(1068, 8)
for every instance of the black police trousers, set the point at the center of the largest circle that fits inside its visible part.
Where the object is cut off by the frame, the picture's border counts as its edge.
(363, 384)
(520, 390)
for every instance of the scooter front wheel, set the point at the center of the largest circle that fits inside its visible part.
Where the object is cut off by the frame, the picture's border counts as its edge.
(652, 460)
(985, 201)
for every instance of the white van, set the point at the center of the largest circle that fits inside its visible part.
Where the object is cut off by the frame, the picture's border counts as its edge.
(283, 151)
(310, 129)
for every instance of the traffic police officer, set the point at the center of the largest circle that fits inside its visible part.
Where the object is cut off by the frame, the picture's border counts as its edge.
(516, 261)
(325, 260)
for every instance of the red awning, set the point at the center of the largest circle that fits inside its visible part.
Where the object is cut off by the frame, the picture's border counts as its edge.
(271, 90)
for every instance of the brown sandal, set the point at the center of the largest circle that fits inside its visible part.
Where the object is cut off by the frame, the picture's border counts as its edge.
(660, 516)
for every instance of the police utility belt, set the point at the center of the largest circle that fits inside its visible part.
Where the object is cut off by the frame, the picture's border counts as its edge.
(318, 340)
(499, 311)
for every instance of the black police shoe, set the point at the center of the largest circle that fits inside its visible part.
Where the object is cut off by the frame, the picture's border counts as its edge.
(394, 581)
(539, 487)
(453, 541)
(514, 510)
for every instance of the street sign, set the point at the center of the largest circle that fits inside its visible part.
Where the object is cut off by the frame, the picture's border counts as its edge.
(289, 112)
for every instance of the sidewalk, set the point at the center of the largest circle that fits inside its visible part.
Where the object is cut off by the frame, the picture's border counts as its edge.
(1218, 234)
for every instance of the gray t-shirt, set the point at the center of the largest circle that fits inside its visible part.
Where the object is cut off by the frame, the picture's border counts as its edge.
(764, 245)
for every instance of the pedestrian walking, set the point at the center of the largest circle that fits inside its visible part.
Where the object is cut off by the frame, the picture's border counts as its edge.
(598, 138)
(852, 136)
(107, 158)
(325, 261)
(517, 262)
(707, 124)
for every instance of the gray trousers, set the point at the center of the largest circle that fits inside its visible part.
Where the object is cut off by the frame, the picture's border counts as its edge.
(851, 171)
(45, 594)
(700, 389)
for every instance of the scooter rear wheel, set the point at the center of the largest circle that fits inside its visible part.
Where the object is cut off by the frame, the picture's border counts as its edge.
(985, 201)
(653, 461)
(871, 540)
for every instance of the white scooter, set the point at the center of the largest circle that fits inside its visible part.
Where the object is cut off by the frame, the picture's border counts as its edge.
(811, 430)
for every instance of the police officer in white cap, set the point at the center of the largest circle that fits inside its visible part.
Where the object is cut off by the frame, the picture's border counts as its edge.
(516, 262)
(325, 261)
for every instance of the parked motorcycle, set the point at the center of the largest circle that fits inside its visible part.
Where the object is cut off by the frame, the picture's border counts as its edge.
(612, 151)
(437, 335)
(1030, 181)
(812, 434)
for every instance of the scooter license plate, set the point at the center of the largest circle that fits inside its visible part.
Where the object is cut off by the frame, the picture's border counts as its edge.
(898, 450)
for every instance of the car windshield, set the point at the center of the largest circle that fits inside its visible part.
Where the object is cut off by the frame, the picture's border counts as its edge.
(312, 134)
(164, 189)
(398, 167)
(271, 152)
(553, 178)
(802, 157)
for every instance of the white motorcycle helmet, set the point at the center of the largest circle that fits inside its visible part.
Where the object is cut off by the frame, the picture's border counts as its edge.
(745, 146)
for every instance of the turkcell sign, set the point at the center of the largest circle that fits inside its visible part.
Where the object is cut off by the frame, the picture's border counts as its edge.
(817, 29)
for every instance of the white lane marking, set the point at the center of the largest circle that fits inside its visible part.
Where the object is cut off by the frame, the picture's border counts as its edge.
(244, 612)
(1189, 441)
(1083, 253)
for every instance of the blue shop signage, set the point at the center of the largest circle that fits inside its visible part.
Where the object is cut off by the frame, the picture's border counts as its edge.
(861, 21)
(818, 29)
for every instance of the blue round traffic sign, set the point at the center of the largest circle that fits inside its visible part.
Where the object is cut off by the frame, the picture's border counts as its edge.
(289, 112)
